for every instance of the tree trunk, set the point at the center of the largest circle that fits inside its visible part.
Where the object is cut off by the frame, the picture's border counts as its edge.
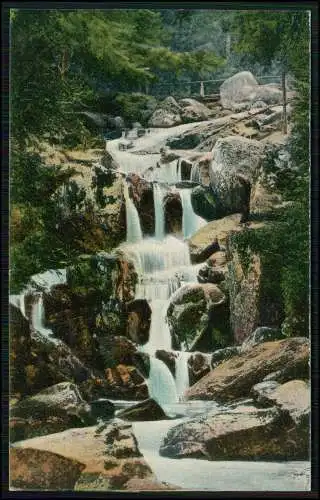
(284, 103)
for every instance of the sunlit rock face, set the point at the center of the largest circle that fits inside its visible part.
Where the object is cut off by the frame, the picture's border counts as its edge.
(242, 89)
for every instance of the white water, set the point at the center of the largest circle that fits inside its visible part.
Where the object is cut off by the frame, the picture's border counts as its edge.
(204, 475)
(182, 373)
(190, 221)
(161, 383)
(195, 174)
(37, 319)
(158, 194)
(134, 232)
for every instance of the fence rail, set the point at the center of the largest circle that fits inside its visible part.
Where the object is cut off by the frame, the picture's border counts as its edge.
(200, 88)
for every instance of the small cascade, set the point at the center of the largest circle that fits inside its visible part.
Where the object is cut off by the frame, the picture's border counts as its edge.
(195, 174)
(179, 172)
(158, 194)
(37, 320)
(182, 373)
(134, 232)
(190, 221)
(161, 383)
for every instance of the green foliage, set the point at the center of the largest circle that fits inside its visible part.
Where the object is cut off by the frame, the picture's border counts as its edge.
(283, 247)
(136, 106)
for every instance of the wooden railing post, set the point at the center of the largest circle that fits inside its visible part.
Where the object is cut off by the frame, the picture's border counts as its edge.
(201, 89)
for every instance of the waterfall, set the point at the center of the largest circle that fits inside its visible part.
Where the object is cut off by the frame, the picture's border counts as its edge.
(134, 232)
(182, 373)
(158, 211)
(190, 221)
(161, 383)
(179, 173)
(37, 319)
(195, 174)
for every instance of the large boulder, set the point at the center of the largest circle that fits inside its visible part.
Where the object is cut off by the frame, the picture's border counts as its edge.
(195, 314)
(52, 410)
(91, 446)
(235, 167)
(242, 90)
(238, 89)
(32, 469)
(245, 433)
(144, 411)
(193, 111)
(235, 377)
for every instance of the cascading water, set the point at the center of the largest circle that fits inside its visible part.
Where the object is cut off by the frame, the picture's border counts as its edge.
(182, 373)
(134, 232)
(161, 383)
(38, 321)
(190, 221)
(195, 174)
(162, 263)
(158, 211)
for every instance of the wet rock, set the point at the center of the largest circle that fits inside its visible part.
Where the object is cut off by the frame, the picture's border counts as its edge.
(142, 362)
(261, 334)
(204, 203)
(144, 411)
(139, 320)
(235, 377)
(32, 469)
(194, 312)
(141, 193)
(173, 213)
(221, 355)
(125, 382)
(102, 409)
(245, 433)
(169, 358)
(199, 365)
